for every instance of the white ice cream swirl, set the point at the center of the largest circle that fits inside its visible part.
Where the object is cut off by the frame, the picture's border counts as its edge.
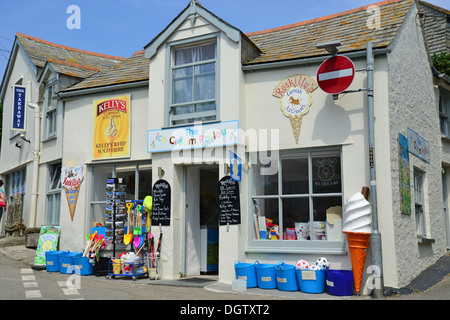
(357, 214)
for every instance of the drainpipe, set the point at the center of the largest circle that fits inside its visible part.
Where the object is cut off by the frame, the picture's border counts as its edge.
(36, 154)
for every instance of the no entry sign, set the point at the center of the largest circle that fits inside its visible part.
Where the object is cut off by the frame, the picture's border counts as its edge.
(335, 74)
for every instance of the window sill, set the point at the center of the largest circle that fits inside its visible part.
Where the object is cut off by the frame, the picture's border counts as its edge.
(49, 138)
(424, 240)
(296, 246)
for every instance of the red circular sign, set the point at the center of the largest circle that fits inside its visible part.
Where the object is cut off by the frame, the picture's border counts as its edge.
(335, 74)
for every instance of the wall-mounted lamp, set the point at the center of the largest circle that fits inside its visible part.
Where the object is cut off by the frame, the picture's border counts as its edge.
(18, 145)
(24, 139)
(160, 172)
(331, 46)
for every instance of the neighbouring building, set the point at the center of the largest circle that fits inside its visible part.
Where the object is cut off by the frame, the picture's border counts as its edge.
(171, 114)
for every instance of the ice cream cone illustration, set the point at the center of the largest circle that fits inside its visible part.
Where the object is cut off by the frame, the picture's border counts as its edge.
(296, 124)
(72, 198)
(357, 229)
(110, 133)
(71, 178)
(295, 99)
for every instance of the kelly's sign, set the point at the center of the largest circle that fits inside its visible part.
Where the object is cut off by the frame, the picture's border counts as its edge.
(111, 128)
(19, 108)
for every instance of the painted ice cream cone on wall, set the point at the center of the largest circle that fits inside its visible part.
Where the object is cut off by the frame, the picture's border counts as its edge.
(111, 137)
(357, 229)
(295, 99)
(71, 179)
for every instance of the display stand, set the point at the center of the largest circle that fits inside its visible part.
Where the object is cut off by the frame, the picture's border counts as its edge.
(115, 211)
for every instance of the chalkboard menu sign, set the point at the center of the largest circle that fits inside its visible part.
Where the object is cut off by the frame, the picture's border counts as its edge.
(229, 203)
(161, 203)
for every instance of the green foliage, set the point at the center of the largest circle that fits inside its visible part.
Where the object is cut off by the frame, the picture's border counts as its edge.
(441, 62)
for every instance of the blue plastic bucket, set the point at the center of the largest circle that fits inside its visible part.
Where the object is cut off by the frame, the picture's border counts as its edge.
(265, 275)
(340, 282)
(286, 277)
(311, 281)
(83, 264)
(66, 265)
(246, 271)
(52, 261)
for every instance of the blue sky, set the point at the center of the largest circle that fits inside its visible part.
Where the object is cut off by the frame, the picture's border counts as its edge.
(122, 27)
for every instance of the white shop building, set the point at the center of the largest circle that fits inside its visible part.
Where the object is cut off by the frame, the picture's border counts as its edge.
(201, 88)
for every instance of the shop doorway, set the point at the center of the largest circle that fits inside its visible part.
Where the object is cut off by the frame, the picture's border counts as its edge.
(201, 220)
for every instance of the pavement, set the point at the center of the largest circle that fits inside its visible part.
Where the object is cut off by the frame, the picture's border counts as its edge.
(14, 248)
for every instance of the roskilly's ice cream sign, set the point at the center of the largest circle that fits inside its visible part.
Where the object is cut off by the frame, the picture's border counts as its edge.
(71, 179)
(295, 99)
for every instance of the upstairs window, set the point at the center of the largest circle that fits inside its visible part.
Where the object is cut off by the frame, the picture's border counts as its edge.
(193, 84)
(50, 110)
(444, 109)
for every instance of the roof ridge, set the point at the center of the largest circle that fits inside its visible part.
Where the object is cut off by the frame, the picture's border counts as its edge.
(328, 17)
(70, 48)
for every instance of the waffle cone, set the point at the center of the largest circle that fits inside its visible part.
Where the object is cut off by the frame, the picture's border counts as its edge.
(72, 198)
(296, 124)
(358, 243)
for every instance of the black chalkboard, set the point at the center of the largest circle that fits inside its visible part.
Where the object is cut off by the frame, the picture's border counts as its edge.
(229, 203)
(161, 203)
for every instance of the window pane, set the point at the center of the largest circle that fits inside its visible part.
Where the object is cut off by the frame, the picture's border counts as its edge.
(182, 85)
(145, 181)
(326, 172)
(100, 174)
(268, 208)
(295, 174)
(201, 107)
(320, 207)
(184, 109)
(205, 86)
(195, 54)
(264, 184)
(128, 173)
(296, 216)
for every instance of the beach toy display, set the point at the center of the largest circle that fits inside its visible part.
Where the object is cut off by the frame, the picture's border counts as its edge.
(357, 228)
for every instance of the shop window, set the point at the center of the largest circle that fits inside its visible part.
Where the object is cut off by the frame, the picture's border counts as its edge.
(16, 185)
(136, 176)
(295, 200)
(50, 110)
(419, 203)
(193, 74)
(53, 195)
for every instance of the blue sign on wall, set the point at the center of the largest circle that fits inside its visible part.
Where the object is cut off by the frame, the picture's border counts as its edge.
(19, 108)
(235, 166)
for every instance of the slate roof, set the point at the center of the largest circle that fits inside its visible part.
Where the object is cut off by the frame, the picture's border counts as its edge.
(66, 60)
(135, 68)
(298, 40)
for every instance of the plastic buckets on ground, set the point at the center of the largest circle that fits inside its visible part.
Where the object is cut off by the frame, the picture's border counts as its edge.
(83, 264)
(286, 277)
(246, 271)
(66, 264)
(265, 275)
(311, 281)
(52, 261)
(340, 282)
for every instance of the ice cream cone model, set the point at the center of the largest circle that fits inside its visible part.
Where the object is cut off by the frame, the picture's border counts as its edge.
(357, 229)
(358, 244)
(72, 198)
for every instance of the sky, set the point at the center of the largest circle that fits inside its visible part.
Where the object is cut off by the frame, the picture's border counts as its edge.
(123, 27)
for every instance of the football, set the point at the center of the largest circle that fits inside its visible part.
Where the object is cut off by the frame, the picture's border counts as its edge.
(322, 262)
(301, 264)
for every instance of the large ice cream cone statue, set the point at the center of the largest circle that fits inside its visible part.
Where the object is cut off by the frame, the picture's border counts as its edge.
(296, 124)
(357, 229)
(71, 178)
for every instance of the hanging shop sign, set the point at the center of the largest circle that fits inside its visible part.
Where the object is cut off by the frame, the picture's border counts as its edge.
(295, 99)
(192, 137)
(111, 128)
(161, 203)
(335, 74)
(418, 145)
(48, 241)
(19, 108)
(71, 179)
(229, 201)
(405, 175)
(235, 166)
